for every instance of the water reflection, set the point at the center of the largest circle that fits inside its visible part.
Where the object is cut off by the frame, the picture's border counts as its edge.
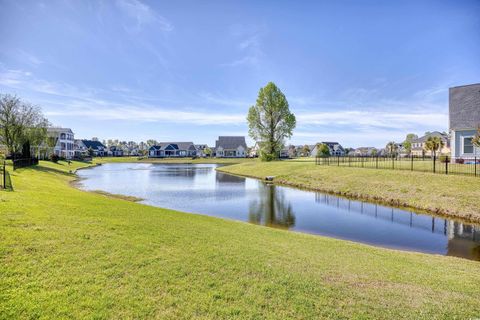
(272, 208)
(463, 239)
(202, 189)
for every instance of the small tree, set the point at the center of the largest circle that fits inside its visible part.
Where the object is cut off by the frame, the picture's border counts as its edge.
(374, 152)
(391, 148)
(323, 150)
(476, 138)
(270, 121)
(306, 150)
(90, 152)
(434, 144)
(207, 151)
(407, 144)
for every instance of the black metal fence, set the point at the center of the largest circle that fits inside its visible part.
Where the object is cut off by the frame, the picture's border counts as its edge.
(22, 163)
(5, 180)
(442, 164)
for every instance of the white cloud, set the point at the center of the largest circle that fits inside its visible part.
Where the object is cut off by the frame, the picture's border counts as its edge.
(249, 45)
(142, 15)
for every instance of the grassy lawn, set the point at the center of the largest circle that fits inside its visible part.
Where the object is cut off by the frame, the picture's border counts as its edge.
(65, 253)
(455, 196)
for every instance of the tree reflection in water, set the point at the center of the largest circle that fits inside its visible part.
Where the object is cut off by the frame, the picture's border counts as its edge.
(272, 209)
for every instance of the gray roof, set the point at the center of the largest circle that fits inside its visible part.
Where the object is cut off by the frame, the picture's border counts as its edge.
(431, 134)
(230, 142)
(176, 145)
(464, 107)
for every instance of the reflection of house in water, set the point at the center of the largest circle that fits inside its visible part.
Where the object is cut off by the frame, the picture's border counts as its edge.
(272, 209)
(463, 239)
(228, 178)
(180, 171)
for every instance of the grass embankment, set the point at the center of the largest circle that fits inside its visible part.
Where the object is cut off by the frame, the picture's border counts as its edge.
(66, 253)
(454, 196)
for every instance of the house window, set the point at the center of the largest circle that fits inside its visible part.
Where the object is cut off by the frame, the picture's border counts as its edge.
(467, 145)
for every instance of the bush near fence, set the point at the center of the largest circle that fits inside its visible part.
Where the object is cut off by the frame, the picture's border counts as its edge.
(441, 165)
(22, 163)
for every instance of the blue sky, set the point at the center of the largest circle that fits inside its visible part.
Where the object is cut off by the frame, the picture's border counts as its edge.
(358, 72)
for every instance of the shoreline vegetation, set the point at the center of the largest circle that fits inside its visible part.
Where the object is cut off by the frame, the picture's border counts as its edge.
(97, 256)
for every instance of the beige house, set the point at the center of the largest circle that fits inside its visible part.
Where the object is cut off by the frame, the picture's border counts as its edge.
(418, 145)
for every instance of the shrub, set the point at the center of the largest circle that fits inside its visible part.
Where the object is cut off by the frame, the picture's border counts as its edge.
(444, 158)
(266, 156)
(54, 158)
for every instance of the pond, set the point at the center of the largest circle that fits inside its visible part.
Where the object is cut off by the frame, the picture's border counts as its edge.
(201, 189)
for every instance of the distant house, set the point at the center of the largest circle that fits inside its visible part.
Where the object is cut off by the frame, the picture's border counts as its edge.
(172, 149)
(464, 114)
(200, 150)
(301, 152)
(64, 141)
(231, 147)
(255, 150)
(364, 152)
(82, 147)
(418, 145)
(114, 151)
(335, 149)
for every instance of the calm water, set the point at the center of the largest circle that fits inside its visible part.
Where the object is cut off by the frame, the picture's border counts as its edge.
(201, 189)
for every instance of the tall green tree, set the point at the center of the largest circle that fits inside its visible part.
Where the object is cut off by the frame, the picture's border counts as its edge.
(434, 144)
(20, 124)
(270, 121)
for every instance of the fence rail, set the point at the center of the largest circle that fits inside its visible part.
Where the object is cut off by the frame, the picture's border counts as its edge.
(440, 165)
(22, 163)
(5, 180)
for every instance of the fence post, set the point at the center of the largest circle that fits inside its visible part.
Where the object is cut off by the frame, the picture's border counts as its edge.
(434, 160)
(393, 162)
(411, 166)
(446, 165)
(4, 175)
(376, 162)
(475, 166)
(338, 161)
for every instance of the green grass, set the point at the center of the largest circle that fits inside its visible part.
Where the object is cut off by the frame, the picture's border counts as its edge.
(66, 253)
(454, 196)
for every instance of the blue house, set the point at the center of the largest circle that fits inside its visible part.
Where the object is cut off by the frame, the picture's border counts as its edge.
(464, 114)
(172, 149)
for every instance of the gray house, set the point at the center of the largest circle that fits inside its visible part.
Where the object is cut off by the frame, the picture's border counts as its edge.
(172, 149)
(464, 113)
(231, 147)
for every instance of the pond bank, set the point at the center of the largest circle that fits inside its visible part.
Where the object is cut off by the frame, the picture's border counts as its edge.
(83, 255)
(447, 196)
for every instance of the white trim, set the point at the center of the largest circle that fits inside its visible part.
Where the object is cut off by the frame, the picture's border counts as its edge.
(462, 142)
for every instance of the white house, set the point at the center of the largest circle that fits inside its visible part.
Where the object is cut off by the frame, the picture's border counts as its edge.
(335, 149)
(64, 141)
(231, 147)
(464, 116)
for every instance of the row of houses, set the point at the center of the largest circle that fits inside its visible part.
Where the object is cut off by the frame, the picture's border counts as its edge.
(66, 146)
(464, 120)
(225, 147)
